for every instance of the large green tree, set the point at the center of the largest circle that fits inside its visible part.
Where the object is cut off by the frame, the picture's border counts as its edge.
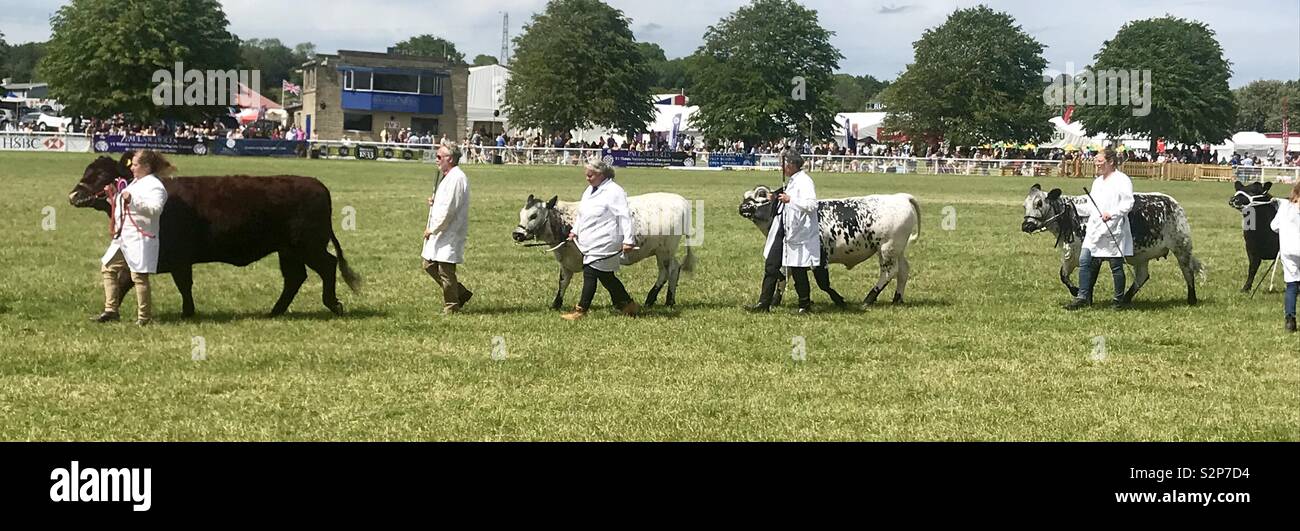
(976, 78)
(275, 61)
(1259, 105)
(577, 66)
(4, 53)
(667, 75)
(1190, 100)
(431, 46)
(103, 53)
(765, 73)
(485, 60)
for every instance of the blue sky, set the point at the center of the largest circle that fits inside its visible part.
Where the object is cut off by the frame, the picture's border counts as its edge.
(1260, 37)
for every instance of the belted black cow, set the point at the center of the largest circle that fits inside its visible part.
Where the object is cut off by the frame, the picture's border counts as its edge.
(853, 230)
(236, 220)
(1157, 221)
(1258, 208)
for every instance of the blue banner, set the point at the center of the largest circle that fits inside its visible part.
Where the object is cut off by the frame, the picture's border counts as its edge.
(646, 159)
(718, 160)
(259, 147)
(161, 144)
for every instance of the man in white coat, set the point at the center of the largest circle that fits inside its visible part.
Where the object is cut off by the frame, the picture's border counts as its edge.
(447, 230)
(603, 231)
(1108, 236)
(794, 241)
(133, 254)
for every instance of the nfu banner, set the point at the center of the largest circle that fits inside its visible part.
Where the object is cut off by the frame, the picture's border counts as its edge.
(398, 153)
(161, 144)
(44, 142)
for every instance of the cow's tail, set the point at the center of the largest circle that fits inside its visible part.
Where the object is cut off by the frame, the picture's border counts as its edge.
(689, 262)
(352, 279)
(1198, 268)
(916, 209)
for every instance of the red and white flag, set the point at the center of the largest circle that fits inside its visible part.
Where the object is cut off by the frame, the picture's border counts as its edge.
(291, 88)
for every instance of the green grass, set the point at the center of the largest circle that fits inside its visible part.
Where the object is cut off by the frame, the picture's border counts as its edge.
(980, 351)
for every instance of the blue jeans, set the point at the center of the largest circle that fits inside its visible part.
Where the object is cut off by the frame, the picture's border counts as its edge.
(1089, 267)
(1292, 288)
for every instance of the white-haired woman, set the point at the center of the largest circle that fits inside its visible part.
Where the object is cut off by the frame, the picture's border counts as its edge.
(602, 232)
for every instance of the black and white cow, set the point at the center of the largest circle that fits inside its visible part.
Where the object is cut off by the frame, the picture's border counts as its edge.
(853, 230)
(1157, 221)
(661, 222)
(1258, 208)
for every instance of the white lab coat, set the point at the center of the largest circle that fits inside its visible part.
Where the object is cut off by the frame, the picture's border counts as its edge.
(449, 220)
(803, 236)
(1287, 226)
(603, 226)
(148, 196)
(1114, 196)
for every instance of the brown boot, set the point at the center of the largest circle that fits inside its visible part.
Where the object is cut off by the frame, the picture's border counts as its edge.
(631, 309)
(577, 313)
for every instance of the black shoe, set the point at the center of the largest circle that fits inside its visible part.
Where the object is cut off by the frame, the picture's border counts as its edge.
(1290, 324)
(1120, 305)
(759, 308)
(468, 295)
(106, 317)
(1077, 304)
(805, 310)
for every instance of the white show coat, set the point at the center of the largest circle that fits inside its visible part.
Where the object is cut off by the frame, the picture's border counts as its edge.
(604, 225)
(1114, 196)
(138, 248)
(449, 220)
(1287, 226)
(803, 235)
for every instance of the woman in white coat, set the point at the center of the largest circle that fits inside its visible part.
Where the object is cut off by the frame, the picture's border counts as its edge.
(794, 241)
(1108, 237)
(1287, 226)
(603, 231)
(136, 221)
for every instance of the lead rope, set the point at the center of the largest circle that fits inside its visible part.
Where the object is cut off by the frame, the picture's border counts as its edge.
(115, 228)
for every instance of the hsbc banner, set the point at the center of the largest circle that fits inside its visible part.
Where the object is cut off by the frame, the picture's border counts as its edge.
(161, 144)
(10, 141)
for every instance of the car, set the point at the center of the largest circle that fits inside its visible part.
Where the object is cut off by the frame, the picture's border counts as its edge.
(40, 121)
(6, 117)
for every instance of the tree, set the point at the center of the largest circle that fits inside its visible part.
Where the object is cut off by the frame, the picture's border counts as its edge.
(431, 46)
(666, 75)
(764, 73)
(562, 79)
(976, 78)
(1190, 101)
(4, 53)
(22, 60)
(853, 92)
(275, 61)
(484, 60)
(1259, 105)
(102, 53)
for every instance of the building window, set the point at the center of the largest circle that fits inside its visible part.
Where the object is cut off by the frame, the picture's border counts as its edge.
(424, 126)
(430, 85)
(397, 83)
(358, 121)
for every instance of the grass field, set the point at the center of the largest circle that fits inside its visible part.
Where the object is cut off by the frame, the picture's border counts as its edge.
(980, 351)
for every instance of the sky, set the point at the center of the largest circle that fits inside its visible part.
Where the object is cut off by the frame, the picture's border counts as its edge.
(1261, 38)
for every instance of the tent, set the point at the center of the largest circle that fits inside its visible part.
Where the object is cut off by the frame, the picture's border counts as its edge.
(866, 123)
(487, 86)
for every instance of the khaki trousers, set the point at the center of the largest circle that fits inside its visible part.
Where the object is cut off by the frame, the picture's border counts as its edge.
(453, 292)
(116, 273)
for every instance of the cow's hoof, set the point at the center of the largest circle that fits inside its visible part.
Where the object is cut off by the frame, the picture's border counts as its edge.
(898, 298)
(337, 308)
(1245, 289)
(1192, 302)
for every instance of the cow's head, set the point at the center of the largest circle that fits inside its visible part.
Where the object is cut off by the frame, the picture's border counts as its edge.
(535, 219)
(1042, 210)
(102, 172)
(1252, 194)
(759, 205)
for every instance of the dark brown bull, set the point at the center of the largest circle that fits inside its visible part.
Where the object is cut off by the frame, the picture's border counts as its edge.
(236, 220)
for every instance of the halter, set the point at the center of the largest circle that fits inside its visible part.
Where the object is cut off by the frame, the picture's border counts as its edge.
(1255, 200)
(552, 217)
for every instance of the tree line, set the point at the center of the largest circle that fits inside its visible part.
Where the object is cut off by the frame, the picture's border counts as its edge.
(767, 71)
